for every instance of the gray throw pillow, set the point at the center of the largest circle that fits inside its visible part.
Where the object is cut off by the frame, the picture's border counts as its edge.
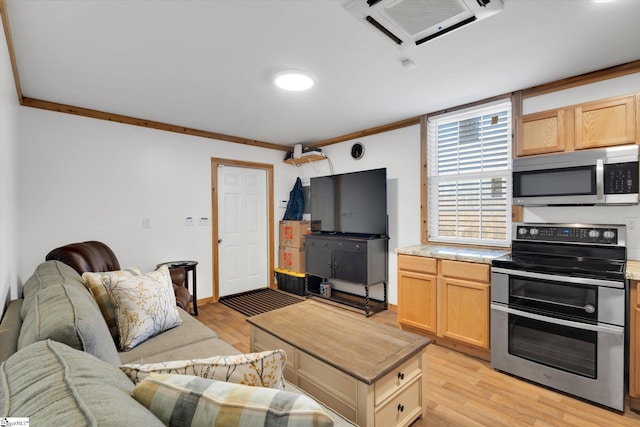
(68, 313)
(56, 385)
(46, 274)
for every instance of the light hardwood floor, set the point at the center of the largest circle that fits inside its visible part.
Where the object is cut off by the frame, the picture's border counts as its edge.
(461, 390)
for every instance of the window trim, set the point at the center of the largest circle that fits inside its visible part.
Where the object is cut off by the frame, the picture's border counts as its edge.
(516, 108)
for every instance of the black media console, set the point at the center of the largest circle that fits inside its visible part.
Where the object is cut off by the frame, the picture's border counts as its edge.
(361, 260)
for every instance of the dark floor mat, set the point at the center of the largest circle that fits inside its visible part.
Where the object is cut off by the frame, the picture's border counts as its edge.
(259, 301)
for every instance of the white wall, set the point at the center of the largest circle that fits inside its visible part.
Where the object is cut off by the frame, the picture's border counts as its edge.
(399, 152)
(588, 214)
(9, 247)
(82, 179)
(85, 179)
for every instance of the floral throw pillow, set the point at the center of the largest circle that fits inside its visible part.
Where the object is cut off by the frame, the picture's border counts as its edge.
(145, 305)
(263, 369)
(96, 284)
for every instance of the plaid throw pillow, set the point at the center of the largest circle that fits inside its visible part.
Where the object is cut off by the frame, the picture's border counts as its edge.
(186, 400)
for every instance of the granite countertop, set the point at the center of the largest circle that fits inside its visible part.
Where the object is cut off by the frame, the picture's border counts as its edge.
(457, 253)
(633, 270)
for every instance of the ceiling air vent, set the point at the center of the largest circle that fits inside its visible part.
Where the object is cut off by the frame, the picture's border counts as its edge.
(410, 23)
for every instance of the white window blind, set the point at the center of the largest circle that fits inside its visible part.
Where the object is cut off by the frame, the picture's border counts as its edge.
(469, 176)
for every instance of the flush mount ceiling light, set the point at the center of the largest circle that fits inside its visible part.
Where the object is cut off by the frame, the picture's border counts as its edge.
(293, 80)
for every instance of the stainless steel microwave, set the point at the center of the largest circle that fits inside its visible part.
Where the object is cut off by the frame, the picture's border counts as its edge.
(604, 176)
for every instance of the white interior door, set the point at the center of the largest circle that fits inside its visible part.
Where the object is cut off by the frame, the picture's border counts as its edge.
(242, 229)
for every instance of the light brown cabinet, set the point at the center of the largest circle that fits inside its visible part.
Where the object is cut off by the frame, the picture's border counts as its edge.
(634, 345)
(417, 292)
(605, 123)
(448, 301)
(541, 133)
(464, 303)
(602, 123)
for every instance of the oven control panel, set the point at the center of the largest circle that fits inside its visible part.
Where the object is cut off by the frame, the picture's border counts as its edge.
(571, 233)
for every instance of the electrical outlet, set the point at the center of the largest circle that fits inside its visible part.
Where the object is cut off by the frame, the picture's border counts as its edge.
(204, 220)
(631, 223)
(282, 204)
(188, 221)
(146, 222)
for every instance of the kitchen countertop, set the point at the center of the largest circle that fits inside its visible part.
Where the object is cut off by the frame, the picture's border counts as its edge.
(633, 270)
(458, 253)
(481, 255)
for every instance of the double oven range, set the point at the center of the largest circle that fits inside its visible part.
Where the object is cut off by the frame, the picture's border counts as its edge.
(558, 306)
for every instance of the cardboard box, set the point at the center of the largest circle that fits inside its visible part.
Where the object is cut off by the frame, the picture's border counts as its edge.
(291, 259)
(292, 233)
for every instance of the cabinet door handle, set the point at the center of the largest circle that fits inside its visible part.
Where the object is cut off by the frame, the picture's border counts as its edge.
(400, 375)
(400, 407)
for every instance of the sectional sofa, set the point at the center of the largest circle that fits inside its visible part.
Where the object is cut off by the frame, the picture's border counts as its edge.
(62, 364)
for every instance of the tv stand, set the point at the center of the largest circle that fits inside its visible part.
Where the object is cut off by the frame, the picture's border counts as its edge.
(357, 259)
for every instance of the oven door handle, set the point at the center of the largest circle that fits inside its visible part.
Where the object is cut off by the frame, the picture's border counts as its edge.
(558, 278)
(614, 330)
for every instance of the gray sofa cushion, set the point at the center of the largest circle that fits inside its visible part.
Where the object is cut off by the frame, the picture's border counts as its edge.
(49, 273)
(68, 313)
(10, 329)
(53, 385)
(191, 340)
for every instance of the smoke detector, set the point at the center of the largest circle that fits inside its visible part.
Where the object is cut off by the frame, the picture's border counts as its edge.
(409, 23)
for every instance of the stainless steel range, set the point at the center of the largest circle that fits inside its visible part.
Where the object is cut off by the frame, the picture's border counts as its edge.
(558, 309)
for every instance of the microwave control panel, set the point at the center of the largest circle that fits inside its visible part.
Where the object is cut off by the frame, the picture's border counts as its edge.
(621, 178)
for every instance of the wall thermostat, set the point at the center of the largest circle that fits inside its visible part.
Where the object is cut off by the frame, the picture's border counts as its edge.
(357, 150)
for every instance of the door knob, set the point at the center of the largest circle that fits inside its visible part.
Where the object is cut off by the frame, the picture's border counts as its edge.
(219, 241)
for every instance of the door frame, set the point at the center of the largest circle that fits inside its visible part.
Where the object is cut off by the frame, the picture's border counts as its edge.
(268, 168)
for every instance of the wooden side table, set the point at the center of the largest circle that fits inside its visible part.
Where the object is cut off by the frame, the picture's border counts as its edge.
(189, 266)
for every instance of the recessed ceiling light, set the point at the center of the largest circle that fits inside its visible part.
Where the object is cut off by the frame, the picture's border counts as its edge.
(293, 80)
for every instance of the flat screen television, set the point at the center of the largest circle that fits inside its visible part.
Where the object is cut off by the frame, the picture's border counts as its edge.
(350, 203)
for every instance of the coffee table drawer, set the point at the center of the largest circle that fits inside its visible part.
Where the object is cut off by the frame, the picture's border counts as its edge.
(329, 385)
(263, 341)
(397, 378)
(402, 409)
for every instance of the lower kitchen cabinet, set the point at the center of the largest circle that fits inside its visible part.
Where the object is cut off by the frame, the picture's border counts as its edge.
(464, 314)
(417, 292)
(634, 345)
(448, 301)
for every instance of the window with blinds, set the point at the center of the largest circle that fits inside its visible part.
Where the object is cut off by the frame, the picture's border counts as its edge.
(469, 176)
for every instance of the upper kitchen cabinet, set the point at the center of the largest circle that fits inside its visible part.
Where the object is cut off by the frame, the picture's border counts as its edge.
(603, 123)
(541, 133)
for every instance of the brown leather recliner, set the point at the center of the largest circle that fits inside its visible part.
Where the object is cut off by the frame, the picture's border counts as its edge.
(94, 256)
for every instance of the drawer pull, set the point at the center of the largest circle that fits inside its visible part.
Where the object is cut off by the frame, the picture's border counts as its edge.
(400, 407)
(400, 375)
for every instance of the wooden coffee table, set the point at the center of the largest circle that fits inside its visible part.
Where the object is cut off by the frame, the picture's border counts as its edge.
(371, 374)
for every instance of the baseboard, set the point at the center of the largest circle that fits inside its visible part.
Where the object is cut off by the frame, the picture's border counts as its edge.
(205, 300)
(470, 350)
